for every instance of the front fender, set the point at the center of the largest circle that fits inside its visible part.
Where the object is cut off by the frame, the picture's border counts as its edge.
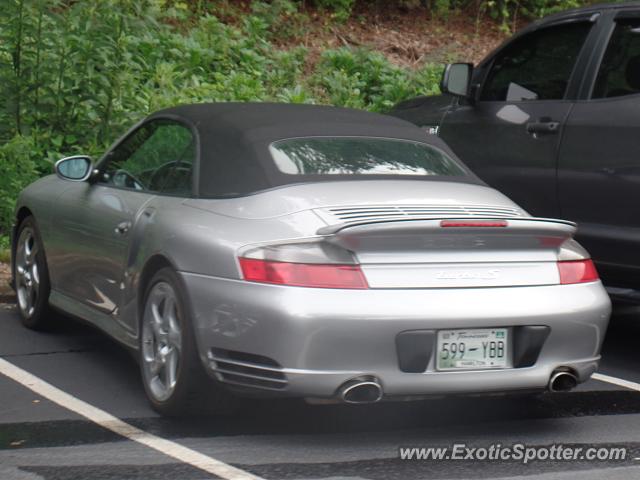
(39, 198)
(424, 111)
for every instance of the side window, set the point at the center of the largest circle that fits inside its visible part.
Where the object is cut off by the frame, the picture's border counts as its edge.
(158, 157)
(620, 69)
(536, 66)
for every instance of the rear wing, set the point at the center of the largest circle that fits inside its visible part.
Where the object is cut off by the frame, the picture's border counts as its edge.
(555, 227)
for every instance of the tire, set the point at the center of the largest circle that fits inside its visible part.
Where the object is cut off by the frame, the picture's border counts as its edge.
(172, 374)
(32, 278)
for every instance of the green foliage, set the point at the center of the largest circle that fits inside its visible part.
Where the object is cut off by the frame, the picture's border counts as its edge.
(5, 251)
(74, 75)
(18, 167)
(540, 8)
(283, 18)
(507, 12)
(365, 79)
(341, 8)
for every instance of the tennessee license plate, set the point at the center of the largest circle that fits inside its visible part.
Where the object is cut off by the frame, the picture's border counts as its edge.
(476, 349)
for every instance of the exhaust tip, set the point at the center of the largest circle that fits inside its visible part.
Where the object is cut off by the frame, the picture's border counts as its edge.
(361, 390)
(562, 381)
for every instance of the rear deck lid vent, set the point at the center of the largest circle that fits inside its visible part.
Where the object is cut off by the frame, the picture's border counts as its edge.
(360, 213)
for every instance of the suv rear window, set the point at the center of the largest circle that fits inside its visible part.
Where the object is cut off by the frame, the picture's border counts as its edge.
(361, 156)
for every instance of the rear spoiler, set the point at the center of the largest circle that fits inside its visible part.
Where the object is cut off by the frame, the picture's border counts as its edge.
(394, 224)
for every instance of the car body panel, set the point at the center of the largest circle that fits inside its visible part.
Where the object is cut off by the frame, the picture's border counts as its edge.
(322, 337)
(493, 140)
(426, 112)
(599, 181)
(89, 252)
(296, 198)
(423, 276)
(587, 171)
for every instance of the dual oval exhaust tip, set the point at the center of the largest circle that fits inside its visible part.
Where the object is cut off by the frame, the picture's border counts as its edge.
(368, 389)
(361, 390)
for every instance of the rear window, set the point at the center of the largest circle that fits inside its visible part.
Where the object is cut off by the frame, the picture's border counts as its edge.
(361, 156)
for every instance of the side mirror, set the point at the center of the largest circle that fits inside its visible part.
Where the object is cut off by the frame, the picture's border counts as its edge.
(78, 168)
(456, 79)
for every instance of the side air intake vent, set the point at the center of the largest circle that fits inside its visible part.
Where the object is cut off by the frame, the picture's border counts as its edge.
(246, 369)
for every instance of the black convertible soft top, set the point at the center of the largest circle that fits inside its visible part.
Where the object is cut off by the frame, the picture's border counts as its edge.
(234, 139)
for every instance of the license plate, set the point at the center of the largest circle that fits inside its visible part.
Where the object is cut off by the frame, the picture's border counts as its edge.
(475, 349)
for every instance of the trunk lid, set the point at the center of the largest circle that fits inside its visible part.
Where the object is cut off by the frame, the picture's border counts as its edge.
(418, 252)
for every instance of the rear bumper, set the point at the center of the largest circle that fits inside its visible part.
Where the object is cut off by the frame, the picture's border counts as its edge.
(308, 342)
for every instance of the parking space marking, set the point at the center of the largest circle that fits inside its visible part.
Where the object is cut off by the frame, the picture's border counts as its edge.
(110, 422)
(616, 381)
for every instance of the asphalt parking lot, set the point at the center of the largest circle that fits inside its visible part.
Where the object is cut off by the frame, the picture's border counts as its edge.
(40, 439)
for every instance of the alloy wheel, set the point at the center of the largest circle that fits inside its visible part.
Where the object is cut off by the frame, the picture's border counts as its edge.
(161, 341)
(27, 273)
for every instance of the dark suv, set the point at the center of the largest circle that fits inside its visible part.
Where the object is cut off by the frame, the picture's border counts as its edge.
(552, 119)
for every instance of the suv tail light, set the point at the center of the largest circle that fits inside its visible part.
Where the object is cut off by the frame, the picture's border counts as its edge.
(310, 264)
(577, 271)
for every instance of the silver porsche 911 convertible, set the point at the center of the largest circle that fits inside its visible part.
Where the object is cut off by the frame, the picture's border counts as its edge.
(306, 251)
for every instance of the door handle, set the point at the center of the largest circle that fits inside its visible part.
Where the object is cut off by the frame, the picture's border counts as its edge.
(122, 228)
(536, 128)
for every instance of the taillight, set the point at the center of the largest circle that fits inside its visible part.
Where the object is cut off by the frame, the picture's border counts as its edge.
(304, 264)
(577, 271)
(473, 223)
(303, 274)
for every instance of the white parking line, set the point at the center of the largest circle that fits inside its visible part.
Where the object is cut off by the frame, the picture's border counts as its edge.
(616, 381)
(620, 383)
(108, 421)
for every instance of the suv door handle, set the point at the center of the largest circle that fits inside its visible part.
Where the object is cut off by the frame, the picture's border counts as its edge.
(535, 128)
(122, 228)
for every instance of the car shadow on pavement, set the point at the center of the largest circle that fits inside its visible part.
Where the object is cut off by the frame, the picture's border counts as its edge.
(291, 416)
(295, 416)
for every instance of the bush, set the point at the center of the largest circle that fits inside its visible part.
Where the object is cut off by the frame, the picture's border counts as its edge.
(75, 75)
(507, 12)
(365, 79)
(341, 8)
(19, 166)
